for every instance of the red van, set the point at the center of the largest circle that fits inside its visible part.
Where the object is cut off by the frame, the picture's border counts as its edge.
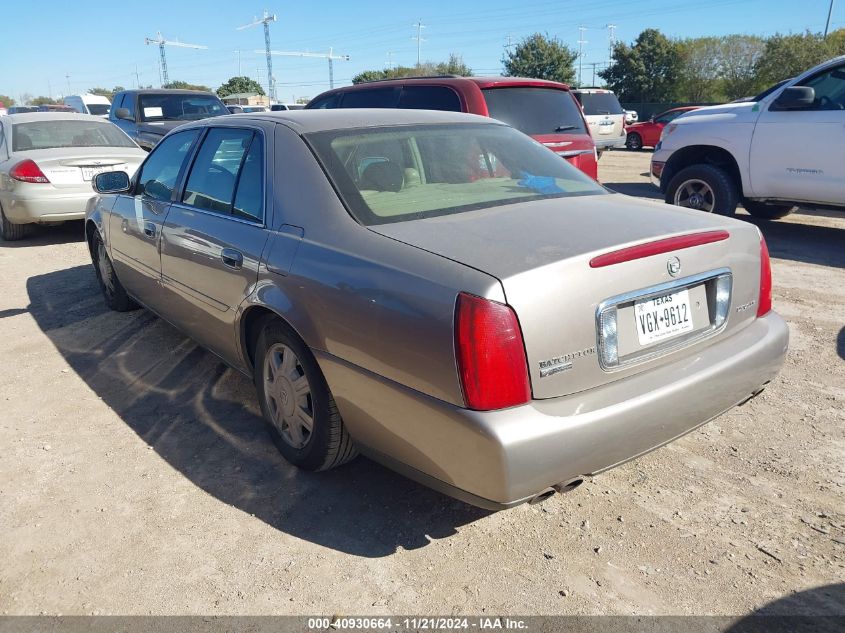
(545, 110)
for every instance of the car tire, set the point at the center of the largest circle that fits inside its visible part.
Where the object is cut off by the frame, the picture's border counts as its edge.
(10, 231)
(766, 211)
(703, 187)
(293, 392)
(634, 142)
(114, 293)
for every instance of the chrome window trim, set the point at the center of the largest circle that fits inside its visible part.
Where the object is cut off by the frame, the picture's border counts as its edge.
(214, 214)
(672, 345)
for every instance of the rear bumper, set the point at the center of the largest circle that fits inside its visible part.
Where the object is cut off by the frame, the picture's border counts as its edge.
(501, 458)
(50, 207)
(610, 141)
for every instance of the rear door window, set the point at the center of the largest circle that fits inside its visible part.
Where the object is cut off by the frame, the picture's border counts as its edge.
(429, 98)
(214, 175)
(600, 103)
(536, 111)
(371, 98)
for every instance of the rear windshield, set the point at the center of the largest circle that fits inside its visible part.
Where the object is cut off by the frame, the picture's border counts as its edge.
(170, 107)
(394, 174)
(48, 134)
(599, 103)
(535, 111)
(98, 108)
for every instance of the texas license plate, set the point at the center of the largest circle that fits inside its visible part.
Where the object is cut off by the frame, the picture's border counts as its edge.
(663, 318)
(88, 173)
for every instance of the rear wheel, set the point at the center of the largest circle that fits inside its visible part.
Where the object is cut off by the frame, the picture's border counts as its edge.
(766, 211)
(10, 231)
(634, 141)
(113, 291)
(705, 188)
(298, 407)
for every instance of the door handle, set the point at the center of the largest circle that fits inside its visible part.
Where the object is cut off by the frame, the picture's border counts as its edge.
(232, 258)
(149, 229)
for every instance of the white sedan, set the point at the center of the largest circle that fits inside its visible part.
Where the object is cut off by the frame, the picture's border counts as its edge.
(47, 161)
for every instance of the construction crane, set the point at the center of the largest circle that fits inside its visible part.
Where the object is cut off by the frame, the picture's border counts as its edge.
(331, 57)
(271, 80)
(161, 44)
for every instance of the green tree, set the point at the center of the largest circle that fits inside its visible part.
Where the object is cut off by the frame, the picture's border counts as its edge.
(37, 101)
(541, 57)
(739, 56)
(454, 66)
(237, 85)
(184, 85)
(699, 76)
(647, 71)
(105, 92)
(6, 101)
(785, 56)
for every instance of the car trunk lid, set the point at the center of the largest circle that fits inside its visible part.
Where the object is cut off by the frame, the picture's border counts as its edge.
(541, 251)
(76, 167)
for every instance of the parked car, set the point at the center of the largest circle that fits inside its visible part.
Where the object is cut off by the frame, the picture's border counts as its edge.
(47, 161)
(772, 154)
(647, 133)
(235, 109)
(147, 115)
(54, 107)
(255, 108)
(542, 109)
(276, 107)
(604, 115)
(439, 292)
(22, 109)
(631, 117)
(97, 105)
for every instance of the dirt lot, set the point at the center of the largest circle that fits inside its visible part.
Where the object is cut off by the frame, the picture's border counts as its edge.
(136, 477)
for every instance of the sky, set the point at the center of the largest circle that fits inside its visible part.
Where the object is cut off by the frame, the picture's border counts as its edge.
(62, 48)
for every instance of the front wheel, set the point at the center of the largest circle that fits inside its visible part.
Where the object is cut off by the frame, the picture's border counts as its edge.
(766, 211)
(704, 188)
(299, 409)
(634, 141)
(113, 291)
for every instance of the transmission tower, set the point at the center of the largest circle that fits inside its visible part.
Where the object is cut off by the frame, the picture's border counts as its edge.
(420, 39)
(271, 80)
(581, 42)
(161, 44)
(611, 39)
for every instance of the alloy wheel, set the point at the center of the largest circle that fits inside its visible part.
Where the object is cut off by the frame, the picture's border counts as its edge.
(695, 194)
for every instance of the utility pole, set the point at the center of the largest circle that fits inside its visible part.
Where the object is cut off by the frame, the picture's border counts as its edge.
(271, 80)
(331, 57)
(67, 77)
(594, 64)
(581, 42)
(238, 53)
(49, 89)
(611, 38)
(137, 77)
(829, 13)
(389, 60)
(419, 26)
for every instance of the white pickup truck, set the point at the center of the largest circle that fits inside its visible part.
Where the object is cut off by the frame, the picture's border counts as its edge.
(785, 147)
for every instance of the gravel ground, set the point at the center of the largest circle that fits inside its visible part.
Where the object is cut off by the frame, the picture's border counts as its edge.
(136, 478)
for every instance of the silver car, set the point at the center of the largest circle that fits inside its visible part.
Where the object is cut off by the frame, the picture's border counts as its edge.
(47, 161)
(439, 292)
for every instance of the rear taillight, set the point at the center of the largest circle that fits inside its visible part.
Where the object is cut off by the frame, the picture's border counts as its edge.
(28, 171)
(490, 353)
(764, 303)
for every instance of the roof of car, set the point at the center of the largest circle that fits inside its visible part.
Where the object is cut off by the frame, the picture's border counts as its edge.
(307, 121)
(29, 117)
(455, 80)
(172, 91)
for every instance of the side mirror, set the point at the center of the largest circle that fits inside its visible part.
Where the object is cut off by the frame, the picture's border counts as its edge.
(795, 98)
(111, 182)
(123, 113)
